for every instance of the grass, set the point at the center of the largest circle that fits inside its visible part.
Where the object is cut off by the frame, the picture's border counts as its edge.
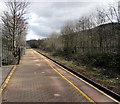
(96, 74)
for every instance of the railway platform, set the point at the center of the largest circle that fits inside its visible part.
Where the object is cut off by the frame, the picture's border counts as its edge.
(38, 79)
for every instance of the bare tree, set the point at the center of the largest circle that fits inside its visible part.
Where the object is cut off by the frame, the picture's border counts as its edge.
(113, 16)
(100, 19)
(53, 41)
(14, 24)
(82, 26)
(68, 37)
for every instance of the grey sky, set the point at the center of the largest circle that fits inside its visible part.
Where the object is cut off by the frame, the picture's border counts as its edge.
(46, 17)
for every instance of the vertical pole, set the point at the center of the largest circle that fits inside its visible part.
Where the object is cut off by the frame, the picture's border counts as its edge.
(118, 50)
(119, 11)
(25, 43)
(0, 61)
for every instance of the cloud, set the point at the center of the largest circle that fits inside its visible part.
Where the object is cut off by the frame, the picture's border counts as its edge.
(2, 7)
(31, 35)
(48, 17)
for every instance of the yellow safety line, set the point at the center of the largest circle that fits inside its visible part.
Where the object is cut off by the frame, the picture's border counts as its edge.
(7, 79)
(87, 83)
(81, 92)
(88, 98)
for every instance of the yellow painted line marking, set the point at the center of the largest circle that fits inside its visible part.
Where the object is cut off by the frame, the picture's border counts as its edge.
(87, 83)
(88, 98)
(7, 79)
(81, 92)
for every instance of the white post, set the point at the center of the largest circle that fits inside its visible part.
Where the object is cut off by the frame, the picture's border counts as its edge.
(0, 62)
(119, 11)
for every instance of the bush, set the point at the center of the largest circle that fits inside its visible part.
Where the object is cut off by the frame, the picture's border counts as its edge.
(109, 61)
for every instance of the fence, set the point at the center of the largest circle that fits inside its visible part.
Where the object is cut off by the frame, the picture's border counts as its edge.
(10, 56)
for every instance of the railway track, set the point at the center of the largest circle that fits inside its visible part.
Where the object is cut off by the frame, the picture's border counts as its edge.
(100, 87)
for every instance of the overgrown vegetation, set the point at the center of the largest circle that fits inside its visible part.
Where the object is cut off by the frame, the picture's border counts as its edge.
(108, 63)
